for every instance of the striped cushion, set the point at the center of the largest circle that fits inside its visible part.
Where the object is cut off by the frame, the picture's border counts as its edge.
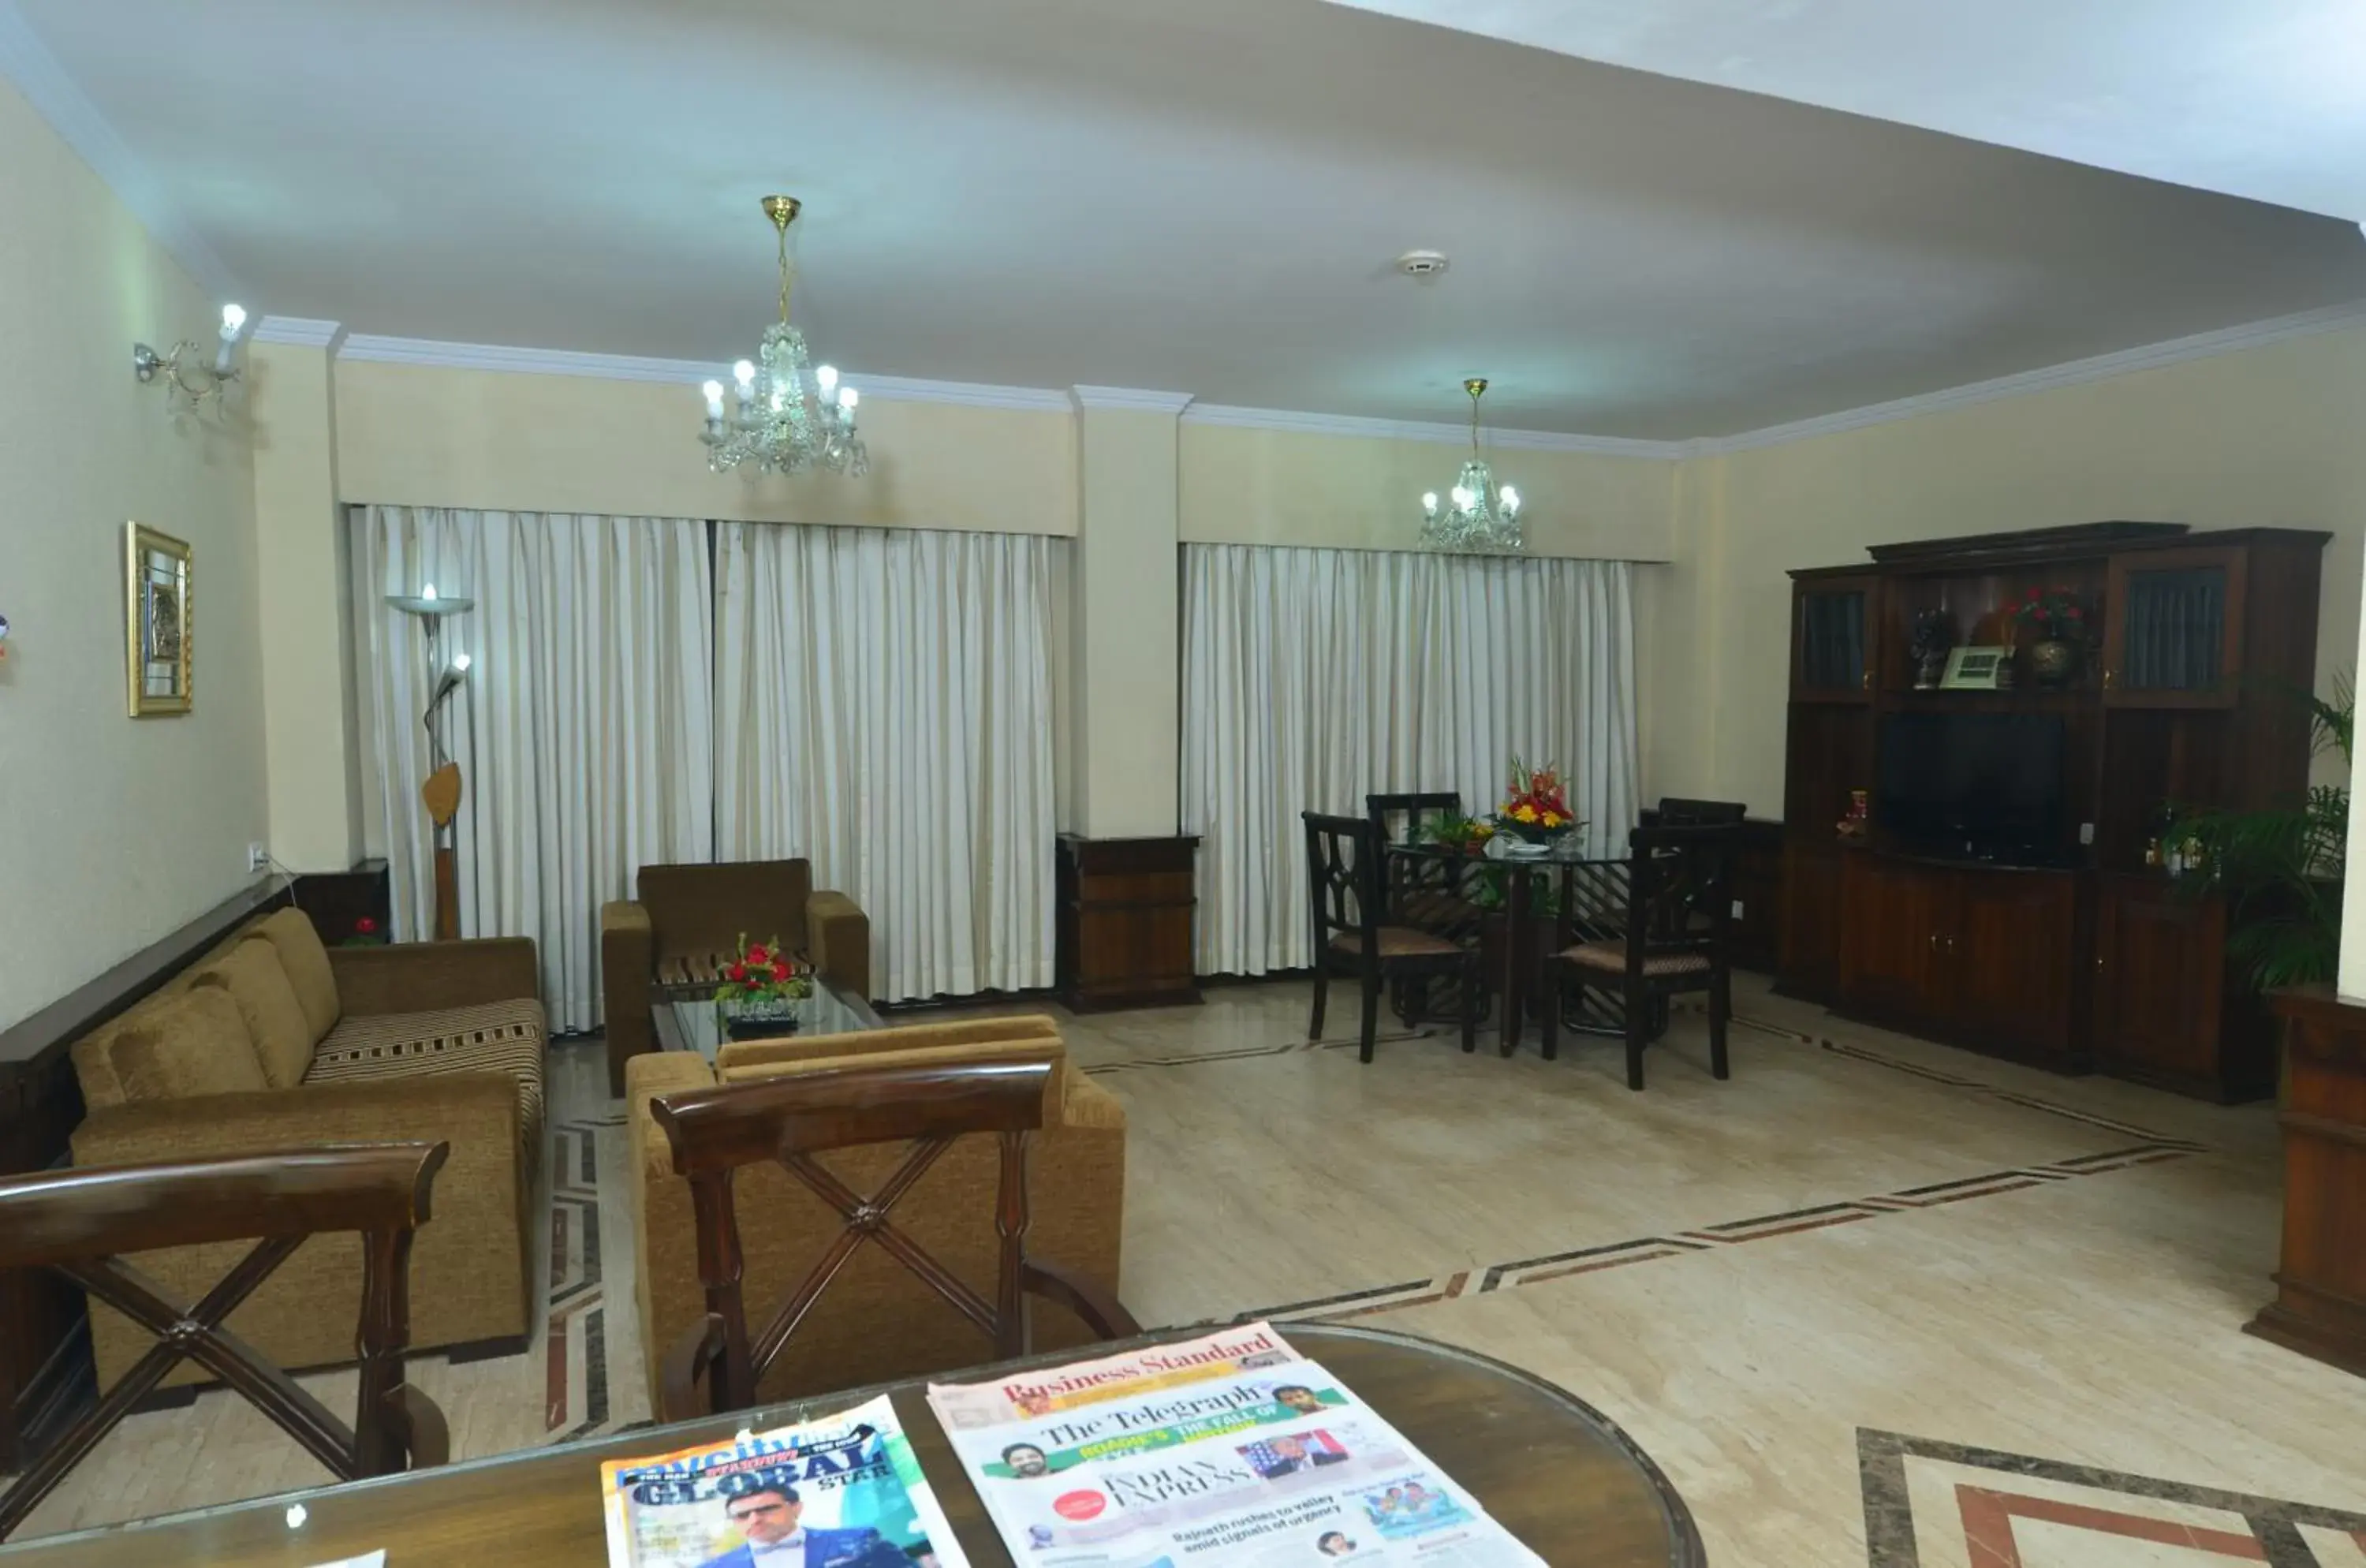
(706, 968)
(505, 1035)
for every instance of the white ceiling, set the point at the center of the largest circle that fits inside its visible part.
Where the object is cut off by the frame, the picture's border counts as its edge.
(1200, 196)
(2261, 98)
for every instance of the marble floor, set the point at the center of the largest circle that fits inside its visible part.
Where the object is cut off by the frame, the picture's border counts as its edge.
(1871, 1301)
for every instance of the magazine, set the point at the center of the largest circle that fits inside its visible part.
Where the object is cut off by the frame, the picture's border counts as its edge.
(1230, 1449)
(846, 1487)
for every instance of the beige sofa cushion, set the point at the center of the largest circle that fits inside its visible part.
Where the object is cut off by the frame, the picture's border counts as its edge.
(491, 1036)
(290, 933)
(283, 1040)
(195, 1044)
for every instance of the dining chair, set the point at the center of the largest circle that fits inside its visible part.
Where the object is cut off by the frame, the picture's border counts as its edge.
(1677, 812)
(1414, 891)
(1351, 932)
(791, 1119)
(83, 1222)
(1672, 938)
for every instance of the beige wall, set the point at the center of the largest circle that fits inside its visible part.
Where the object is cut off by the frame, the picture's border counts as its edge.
(1125, 679)
(2265, 435)
(112, 831)
(504, 441)
(1248, 486)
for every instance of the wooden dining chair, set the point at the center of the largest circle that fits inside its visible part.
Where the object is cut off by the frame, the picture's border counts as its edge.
(791, 1119)
(1352, 934)
(1672, 938)
(83, 1222)
(1415, 891)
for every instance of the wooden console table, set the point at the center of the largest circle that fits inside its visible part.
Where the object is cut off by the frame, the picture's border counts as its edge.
(1126, 909)
(2320, 1306)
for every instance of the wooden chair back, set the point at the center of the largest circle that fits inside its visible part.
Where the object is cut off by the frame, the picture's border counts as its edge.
(1413, 808)
(1679, 889)
(83, 1222)
(1343, 877)
(789, 1119)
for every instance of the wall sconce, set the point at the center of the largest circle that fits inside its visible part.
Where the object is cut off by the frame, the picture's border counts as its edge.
(186, 375)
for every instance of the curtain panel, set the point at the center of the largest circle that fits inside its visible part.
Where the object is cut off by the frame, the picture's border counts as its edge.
(1312, 677)
(583, 731)
(883, 708)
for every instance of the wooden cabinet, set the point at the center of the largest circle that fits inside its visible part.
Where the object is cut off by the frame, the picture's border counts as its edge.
(2173, 627)
(1809, 965)
(1974, 955)
(1833, 630)
(2167, 1010)
(1126, 909)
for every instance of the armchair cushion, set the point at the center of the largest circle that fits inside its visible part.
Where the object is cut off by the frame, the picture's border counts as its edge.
(505, 1037)
(195, 1044)
(305, 961)
(251, 973)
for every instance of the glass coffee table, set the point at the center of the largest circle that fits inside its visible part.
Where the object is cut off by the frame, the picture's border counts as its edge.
(687, 1020)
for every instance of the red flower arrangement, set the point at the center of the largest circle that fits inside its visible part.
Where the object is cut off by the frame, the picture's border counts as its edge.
(762, 972)
(1536, 805)
(2055, 612)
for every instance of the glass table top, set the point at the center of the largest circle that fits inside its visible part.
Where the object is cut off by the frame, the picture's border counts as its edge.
(699, 1025)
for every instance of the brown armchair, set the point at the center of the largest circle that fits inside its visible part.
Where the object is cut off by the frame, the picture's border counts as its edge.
(685, 919)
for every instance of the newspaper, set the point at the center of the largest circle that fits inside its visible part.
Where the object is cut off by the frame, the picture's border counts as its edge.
(846, 1488)
(1230, 1449)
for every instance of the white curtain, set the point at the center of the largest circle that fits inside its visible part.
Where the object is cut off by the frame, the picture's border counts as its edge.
(1312, 677)
(583, 730)
(883, 708)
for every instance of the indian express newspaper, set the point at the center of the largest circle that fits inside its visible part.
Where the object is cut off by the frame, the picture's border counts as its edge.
(1229, 1449)
(845, 1488)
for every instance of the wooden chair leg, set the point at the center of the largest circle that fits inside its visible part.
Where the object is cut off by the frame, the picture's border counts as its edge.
(1372, 1013)
(1720, 1009)
(1471, 1004)
(1638, 1028)
(1322, 995)
(1554, 985)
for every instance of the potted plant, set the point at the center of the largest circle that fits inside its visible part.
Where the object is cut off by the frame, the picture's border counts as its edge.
(2060, 622)
(758, 990)
(2280, 867)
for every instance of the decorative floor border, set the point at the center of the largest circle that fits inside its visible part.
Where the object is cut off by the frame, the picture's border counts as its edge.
(575, 1337)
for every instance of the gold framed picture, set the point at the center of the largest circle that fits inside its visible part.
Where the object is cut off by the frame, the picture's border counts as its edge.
(157, 621)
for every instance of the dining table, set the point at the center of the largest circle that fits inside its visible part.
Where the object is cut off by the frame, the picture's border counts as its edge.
(1551, 1469)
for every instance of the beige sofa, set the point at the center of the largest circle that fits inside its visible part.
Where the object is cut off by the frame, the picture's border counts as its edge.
(876, 1321)
(273, 1042)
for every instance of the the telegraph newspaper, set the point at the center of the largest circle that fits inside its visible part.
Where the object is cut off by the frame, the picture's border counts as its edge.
(1230, 1449)
(845, 1489)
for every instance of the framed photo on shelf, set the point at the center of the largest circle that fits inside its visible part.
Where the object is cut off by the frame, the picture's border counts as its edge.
(1977, 670)
(156, 648)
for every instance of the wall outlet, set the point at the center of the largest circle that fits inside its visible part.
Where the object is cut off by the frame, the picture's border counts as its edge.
(2086, 832)
(1737, 909)
(258, 857)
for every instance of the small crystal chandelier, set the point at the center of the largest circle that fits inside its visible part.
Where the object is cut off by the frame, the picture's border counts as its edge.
(1484, 517)
(775, 422)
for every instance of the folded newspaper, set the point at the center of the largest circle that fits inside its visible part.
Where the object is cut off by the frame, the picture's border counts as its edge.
(1228, 1449)
(841, 1490)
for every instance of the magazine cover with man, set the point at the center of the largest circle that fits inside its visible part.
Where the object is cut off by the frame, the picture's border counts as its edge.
(843, 1491)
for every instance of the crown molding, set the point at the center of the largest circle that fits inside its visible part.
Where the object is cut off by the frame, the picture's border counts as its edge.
(301, 331)
(2072, 373)
(1132, 400)
(673, 372)
(26, 60)
(1422, 430)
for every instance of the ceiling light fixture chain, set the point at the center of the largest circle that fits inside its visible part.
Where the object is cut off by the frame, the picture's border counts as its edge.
(777, 424)
(1484, 517)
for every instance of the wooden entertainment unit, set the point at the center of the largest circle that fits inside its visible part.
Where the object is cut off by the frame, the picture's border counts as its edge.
(2089, 958)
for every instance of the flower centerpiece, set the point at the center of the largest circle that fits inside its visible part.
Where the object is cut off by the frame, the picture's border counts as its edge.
(2060, 622)
(1535, 814)
(759, 987)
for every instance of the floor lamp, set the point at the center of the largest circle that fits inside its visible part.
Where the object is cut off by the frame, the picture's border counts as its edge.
(441, 793)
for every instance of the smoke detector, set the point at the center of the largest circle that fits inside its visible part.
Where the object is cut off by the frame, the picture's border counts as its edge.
(1425, 265)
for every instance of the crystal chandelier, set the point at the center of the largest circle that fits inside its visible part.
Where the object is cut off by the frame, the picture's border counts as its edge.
(776, 423)
(1482, 517)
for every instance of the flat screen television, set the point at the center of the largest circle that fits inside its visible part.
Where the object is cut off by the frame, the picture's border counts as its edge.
(1979, 785)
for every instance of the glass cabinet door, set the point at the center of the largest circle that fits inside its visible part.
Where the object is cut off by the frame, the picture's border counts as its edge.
(2173, 628)
(1831, 640)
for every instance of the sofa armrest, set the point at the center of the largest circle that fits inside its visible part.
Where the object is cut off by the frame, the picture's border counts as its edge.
(838, 939)
(629, 966)
(422, 976)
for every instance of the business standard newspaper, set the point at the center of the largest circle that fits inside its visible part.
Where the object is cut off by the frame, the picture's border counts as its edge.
(844, 1489)
(1230, 1449)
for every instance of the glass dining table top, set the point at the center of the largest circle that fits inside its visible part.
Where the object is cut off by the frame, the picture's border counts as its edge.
(688, 1017)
